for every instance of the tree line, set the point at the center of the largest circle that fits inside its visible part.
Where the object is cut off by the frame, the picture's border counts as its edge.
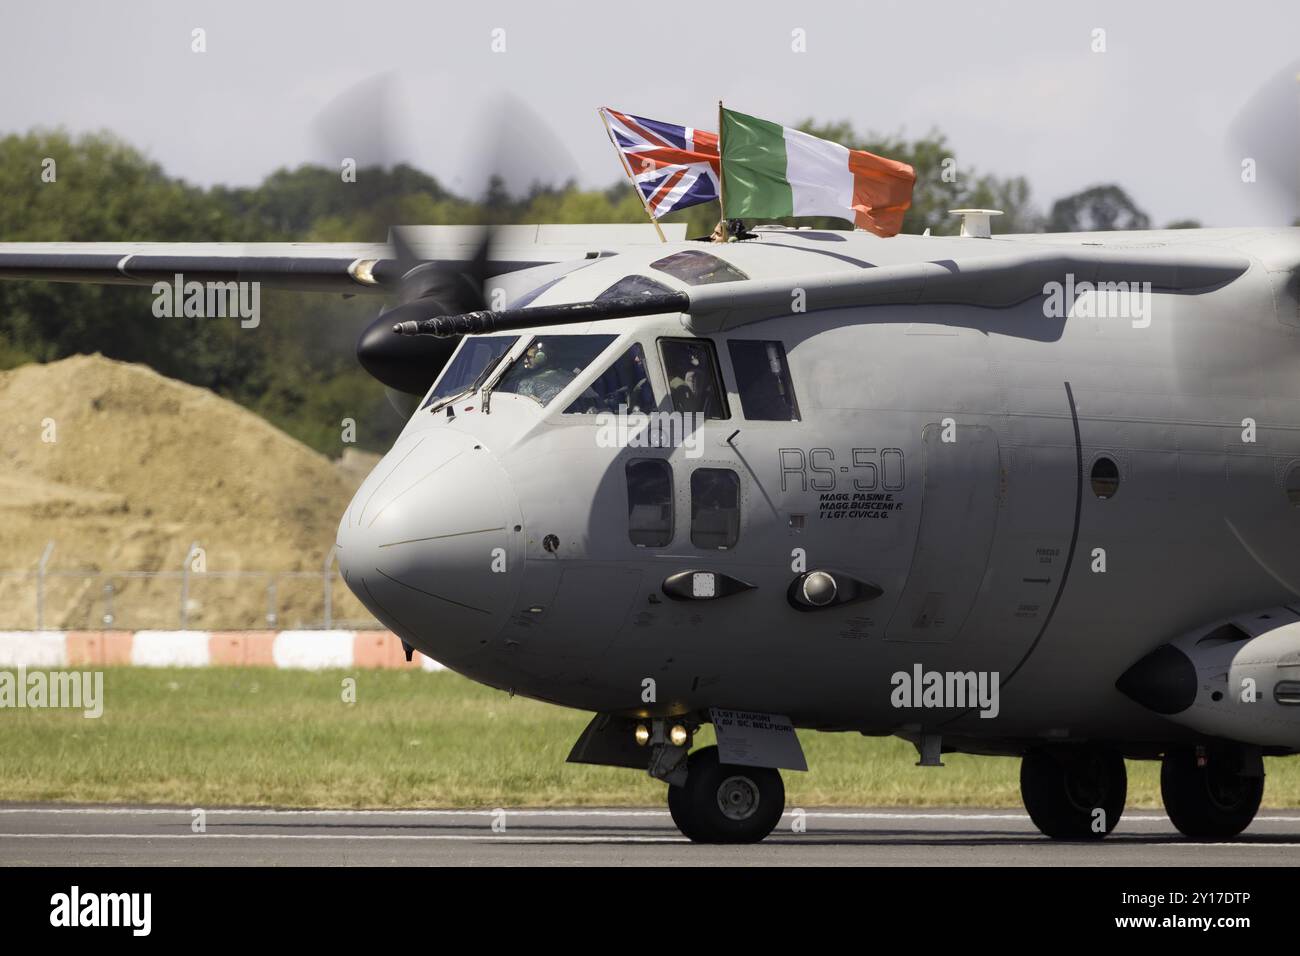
(298, 369)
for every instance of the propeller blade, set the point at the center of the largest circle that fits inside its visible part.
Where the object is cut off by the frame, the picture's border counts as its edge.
(359, 125)
(1267, 130)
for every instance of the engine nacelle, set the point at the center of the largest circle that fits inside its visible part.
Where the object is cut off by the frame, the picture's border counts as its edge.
(407, 363)
(1237, 679)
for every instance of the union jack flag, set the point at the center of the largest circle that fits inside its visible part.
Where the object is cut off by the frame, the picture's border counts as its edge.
(673, 166)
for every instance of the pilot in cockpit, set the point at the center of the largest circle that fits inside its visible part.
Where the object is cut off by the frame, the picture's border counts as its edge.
(543, 378)
(692, 388)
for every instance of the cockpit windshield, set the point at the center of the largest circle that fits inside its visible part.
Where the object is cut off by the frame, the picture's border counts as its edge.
(624, 385)
(550, 363)
(477, 355)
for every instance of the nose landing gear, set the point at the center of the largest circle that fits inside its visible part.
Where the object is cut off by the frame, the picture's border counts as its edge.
(726, 803)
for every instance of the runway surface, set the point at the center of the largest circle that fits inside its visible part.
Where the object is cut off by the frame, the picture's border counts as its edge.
(153, 836)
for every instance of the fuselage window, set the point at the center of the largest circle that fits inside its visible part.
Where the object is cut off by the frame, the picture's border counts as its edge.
(698, 268)
(1105, 478)
(633, 286)
(650, 502)
(691, 367)
(715, 508)
(550, 363)
(624, 385)
(763, 381)
(477, 355)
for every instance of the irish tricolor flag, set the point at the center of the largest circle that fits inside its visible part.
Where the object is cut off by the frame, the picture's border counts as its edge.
(772, 171)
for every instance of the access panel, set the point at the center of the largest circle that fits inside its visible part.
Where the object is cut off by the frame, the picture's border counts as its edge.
(959, 511)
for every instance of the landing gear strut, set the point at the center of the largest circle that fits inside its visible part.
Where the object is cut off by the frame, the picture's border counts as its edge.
(1214, 795)
(726, 803)
(1074, 794)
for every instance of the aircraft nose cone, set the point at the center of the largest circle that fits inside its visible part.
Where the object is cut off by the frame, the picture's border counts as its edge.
(429, 545)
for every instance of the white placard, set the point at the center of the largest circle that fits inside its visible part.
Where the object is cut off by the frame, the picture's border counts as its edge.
(751, 739)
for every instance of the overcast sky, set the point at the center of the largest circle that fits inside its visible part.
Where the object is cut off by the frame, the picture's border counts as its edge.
(1014, 85)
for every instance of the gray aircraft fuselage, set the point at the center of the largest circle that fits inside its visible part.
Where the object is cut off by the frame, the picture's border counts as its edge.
(944, 454)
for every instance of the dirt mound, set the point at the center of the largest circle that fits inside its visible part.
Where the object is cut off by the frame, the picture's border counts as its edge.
(124, 469)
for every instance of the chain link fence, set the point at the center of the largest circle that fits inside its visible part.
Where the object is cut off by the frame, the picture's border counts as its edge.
(45, 598)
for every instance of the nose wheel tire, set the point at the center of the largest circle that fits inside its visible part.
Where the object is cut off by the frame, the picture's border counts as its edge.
(726, 803)
(1074, 795)
(1213, 802)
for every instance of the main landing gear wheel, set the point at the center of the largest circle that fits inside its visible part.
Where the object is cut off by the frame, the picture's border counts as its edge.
(726, 803)
(1213, 802)
(1063, 792)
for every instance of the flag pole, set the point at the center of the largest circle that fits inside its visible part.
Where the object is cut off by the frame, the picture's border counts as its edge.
(722, 175)
(628, 169)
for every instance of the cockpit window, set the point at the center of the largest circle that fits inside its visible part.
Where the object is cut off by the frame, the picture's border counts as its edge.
(698, 268)
(477, 354)
(550, 363)
(625, 384)
(633, 286)
(763, 381)
(694, 384)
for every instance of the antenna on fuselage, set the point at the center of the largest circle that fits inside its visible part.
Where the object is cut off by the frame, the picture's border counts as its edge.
(976, 223)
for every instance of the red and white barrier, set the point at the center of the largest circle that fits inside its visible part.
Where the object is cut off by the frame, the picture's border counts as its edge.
(304, 650)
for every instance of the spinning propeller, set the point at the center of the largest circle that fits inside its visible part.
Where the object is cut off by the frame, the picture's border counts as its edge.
(359, 124)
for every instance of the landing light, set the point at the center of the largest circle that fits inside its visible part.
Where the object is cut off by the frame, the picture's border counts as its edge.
(678, 735)
(819, 589)
(642, 735)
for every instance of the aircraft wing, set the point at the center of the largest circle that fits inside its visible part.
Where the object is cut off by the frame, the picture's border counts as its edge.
(998, 278)
(348, 268)
(995, 281)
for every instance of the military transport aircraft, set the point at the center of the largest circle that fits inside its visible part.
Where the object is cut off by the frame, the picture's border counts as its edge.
(1031, 495)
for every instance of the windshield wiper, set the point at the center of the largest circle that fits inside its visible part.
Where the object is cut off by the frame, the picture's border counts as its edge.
(473, 387)
(444, 402)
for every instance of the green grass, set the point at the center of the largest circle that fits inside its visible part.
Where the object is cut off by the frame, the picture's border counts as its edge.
(218, 736)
